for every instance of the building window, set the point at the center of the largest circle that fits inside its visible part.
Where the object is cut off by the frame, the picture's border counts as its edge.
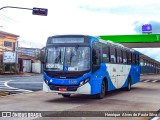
(7, 44)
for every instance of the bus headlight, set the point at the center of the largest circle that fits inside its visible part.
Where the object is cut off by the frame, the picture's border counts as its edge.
(83, 82)
(51, 80)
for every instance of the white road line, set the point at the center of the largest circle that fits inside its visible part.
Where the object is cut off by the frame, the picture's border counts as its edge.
(146, 80)
(27, 82)
(18, 90)
(154, 80)
(5, 87)
(155, 118)
(15, 89)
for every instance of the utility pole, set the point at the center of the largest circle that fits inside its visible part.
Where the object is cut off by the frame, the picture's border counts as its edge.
(35, 11)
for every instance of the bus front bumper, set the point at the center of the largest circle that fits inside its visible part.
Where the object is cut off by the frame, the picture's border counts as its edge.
(85, 89)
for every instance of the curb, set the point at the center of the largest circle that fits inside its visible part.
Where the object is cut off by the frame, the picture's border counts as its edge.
(9, 95)
(4, 93)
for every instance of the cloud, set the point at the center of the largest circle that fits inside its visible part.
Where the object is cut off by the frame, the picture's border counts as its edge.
(155, 26)
(151, 52)
(141, 8)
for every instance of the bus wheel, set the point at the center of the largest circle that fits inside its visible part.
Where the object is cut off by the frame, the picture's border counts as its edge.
(103, 91)
(66, 95)
(128, 88)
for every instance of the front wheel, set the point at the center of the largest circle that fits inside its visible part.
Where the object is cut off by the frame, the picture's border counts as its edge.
(103, 91)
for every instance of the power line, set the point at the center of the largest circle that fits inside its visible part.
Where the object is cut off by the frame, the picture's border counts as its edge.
(15, 7)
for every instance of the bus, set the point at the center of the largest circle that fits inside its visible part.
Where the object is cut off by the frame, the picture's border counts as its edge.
(81, 64)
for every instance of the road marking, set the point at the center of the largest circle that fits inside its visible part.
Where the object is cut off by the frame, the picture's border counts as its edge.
(6, 84)
(5, 87)
(27, 82)
(155, 118)
(17, 90)
(154, 80)
(146, 80)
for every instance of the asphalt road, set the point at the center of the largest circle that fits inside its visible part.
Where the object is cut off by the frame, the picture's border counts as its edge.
(21, 84)
(144, 96)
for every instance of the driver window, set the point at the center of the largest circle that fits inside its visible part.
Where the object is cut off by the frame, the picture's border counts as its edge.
(96, 53)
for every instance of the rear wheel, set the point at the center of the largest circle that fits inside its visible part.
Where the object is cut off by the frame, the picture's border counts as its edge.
(128, 88)
(66, 95)
(103, 91)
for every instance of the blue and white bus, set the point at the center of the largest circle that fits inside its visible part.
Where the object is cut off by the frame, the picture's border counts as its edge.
(79, 64)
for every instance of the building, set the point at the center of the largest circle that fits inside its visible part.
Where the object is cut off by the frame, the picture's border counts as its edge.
(8, 42)
(26, 57)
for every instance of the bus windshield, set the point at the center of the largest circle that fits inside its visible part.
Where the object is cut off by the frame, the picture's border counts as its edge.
(68, 58)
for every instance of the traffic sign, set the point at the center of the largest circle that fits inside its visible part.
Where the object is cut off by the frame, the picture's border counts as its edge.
(40, 11)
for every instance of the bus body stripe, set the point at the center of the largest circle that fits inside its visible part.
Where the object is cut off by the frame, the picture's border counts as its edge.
(118, 74)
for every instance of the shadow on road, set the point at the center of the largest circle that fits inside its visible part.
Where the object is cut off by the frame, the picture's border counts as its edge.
(87, 98)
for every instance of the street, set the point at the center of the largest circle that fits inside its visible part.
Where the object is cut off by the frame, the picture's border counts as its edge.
(21, 84)
(144, 96)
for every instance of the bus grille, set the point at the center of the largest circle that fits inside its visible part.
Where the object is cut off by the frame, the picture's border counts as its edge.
(69, 88)
(64, 75)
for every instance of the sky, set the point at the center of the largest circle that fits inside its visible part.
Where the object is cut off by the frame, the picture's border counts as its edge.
(88, 17)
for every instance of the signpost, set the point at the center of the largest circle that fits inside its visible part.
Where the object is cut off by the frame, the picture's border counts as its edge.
(9, 57)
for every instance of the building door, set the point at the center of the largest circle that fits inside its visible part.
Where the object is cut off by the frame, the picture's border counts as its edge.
(26, 65)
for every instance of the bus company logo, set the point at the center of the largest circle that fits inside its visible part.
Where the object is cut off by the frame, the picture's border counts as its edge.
(147, 28)
(6, 114)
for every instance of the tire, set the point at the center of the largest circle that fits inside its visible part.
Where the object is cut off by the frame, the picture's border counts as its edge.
(103, 91)
(128, 88)
(66, 95)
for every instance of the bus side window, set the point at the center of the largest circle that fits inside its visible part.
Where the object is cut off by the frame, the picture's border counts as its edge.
(129, 58)
(96, 56)
(137, 59)
(124, 57)
(119, 55)
(112, 55)
(105, 54)
(133, 59)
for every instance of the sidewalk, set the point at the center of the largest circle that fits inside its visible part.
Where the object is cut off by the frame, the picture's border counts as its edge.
(19, 75)
(151, 77)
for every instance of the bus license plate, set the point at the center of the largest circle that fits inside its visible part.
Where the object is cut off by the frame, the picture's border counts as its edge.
(62, 89)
